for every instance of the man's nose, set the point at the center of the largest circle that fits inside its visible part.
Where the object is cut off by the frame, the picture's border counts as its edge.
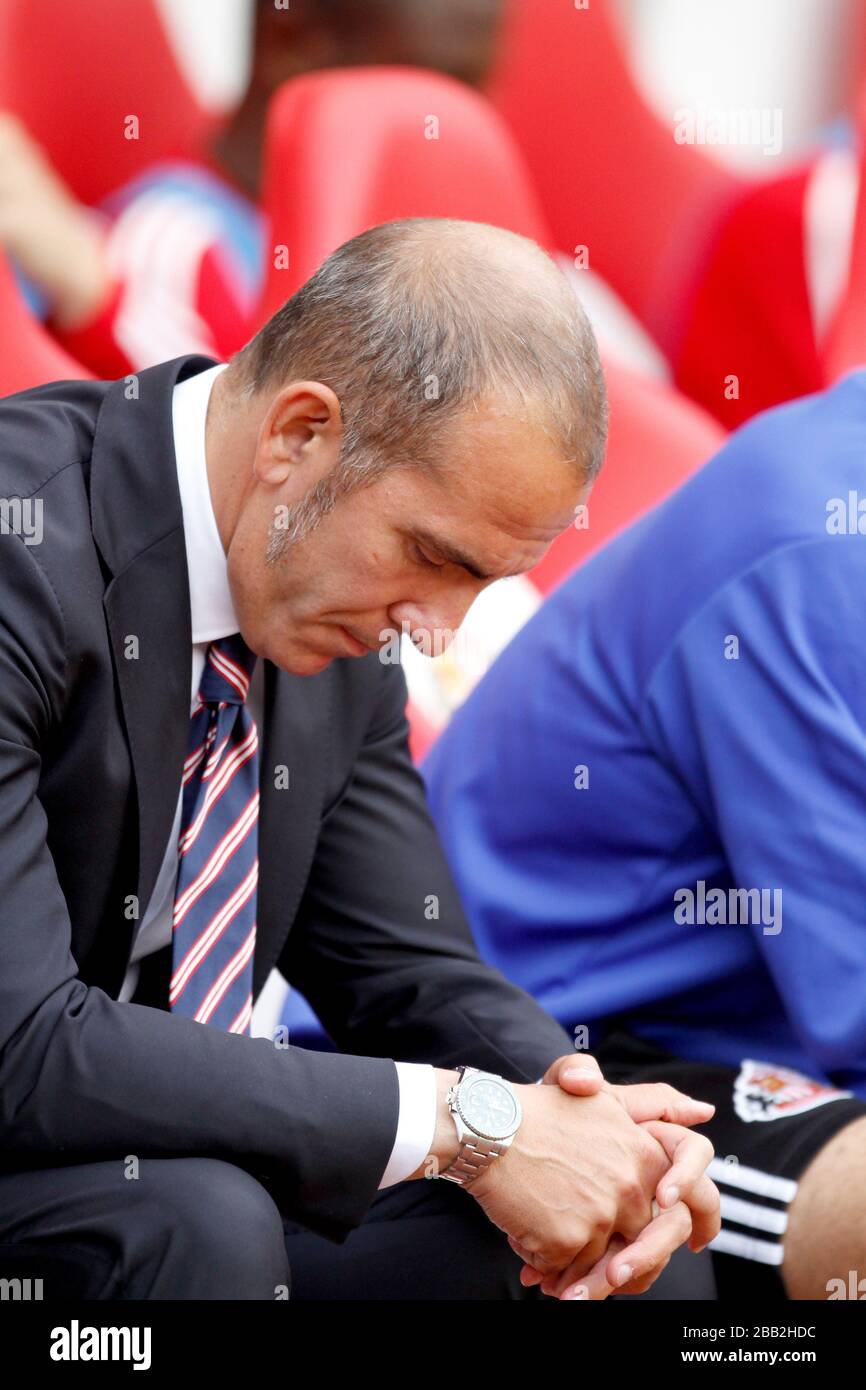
(432, 624)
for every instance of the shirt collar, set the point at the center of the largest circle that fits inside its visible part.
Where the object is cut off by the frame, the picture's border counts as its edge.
(211, 608)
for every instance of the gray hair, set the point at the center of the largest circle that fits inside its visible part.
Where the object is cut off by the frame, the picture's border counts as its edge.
(414, 321)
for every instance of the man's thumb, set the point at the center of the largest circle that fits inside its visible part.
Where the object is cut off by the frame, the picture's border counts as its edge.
(579, 1074)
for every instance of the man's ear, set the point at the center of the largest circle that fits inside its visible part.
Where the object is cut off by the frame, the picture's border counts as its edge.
(302, 426)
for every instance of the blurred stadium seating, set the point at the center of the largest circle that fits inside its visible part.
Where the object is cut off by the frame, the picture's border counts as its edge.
(29, 355)
(718, 263)
(607, 169)
(846, 342)
(75, 73)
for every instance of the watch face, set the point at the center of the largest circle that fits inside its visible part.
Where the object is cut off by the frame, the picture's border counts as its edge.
(490, 1108)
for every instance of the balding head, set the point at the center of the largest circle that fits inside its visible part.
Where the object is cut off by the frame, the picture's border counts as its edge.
(415, 322)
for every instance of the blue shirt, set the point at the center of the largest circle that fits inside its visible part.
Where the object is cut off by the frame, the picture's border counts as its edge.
(708, 671)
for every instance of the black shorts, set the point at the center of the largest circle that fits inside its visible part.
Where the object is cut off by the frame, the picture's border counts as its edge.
(769, 1123)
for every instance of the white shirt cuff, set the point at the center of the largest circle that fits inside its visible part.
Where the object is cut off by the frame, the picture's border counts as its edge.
(416, 1123)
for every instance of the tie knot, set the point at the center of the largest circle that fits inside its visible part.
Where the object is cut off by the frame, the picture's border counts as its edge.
(227, 671)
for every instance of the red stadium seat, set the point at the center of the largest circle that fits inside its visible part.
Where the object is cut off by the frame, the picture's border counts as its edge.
(610, 175)
(346, 150)
(751, 317)
(28, 355)
(656, 440)
(75, 71)
(846, 346)
(711, 262)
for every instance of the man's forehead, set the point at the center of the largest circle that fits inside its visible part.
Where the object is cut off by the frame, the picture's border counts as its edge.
(512, 512)
(489, 551)
(510, 455)
(500, 496)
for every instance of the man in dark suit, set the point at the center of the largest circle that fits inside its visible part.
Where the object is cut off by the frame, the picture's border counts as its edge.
(207, 551)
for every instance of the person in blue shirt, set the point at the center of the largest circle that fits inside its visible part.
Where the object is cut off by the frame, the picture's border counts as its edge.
(654, 806)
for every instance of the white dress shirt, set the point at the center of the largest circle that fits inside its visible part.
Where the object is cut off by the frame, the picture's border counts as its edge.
(213, 616)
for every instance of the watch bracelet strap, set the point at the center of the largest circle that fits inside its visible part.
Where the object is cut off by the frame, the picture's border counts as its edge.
(471, 1160)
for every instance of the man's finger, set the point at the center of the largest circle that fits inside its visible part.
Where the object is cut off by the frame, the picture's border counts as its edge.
(686, 1179)
(690, 1156)
(537, 1270)
(592, 1286)
(653, 1247)
(640, 1285)
(704, 1205)
(654, 1100)
(529, 1275)
(577, 1073)
(535, 1263)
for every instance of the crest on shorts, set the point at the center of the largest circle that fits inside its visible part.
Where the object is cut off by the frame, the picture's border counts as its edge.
(765, 1091)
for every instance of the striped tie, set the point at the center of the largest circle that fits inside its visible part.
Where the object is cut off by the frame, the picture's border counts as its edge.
(214, 931)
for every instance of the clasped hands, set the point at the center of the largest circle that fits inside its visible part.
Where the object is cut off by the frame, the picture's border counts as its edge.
(602, 1183)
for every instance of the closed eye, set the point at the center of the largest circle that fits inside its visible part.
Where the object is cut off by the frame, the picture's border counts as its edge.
(447, 555)
(423, 559)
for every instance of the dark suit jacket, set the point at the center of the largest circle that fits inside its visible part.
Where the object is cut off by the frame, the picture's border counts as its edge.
(92, 741)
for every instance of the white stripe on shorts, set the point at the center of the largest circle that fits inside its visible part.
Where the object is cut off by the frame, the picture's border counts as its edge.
(752, 1180)
(747, 1247)
(751, 1214)
(760, 1217)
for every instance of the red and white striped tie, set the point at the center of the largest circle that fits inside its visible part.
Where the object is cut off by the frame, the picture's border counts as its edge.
(214, 928)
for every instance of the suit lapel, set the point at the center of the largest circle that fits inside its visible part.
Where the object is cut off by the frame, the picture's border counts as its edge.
(138, 528)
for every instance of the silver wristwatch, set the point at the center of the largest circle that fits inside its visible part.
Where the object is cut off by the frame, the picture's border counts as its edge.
(487, 1114)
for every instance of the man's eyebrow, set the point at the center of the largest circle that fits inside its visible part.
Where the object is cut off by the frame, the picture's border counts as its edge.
(452, 553)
